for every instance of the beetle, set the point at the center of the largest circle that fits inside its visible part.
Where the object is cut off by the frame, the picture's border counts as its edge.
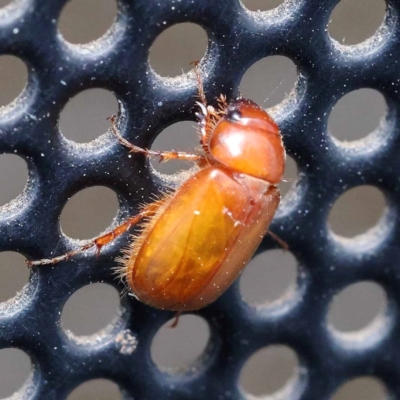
(196, 240)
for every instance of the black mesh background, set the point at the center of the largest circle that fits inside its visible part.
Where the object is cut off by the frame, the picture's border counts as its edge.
(59, 168)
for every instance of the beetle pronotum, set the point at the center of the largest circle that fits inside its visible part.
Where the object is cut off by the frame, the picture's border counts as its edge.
(195, 241)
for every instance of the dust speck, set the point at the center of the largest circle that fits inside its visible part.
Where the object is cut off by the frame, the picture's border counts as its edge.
(126, 342)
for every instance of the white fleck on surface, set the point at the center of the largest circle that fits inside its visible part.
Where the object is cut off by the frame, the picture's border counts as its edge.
(126, 342)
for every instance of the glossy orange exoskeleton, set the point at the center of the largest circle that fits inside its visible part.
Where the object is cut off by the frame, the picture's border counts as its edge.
(195, 241)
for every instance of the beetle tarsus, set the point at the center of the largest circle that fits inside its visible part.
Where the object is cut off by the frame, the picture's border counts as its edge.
(277, 239)
(101, 240)
(98, 250)
(176, 319)
(200, 86)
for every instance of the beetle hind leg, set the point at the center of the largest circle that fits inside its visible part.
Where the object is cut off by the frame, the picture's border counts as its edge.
(101, 241)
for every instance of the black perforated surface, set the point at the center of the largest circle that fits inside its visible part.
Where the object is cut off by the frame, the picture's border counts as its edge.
(59, 168)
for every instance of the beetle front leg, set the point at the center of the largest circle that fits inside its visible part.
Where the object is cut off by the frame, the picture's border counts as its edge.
(163, 155)
(208, 116)
(101, 241)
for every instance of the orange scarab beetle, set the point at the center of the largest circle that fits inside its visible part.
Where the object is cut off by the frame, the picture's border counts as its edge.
(195, 241)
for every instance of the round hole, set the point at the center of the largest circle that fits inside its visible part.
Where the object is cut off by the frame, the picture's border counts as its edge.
(89, 212)
(261, 5)
(365, 388)
(356, 211)
(269, 371)
(268, 81)
(13, 78)
(15, 368)
(182, 136)
(353, 21)
(73, 23)
(4, 3)
(13, 274)
(355, 307)
(84, 117)
(289, 177)
(90, 309)
(357, 114)
(99, 389)
(177, 348)
(13, 177)
(268, 276)
(176, 47)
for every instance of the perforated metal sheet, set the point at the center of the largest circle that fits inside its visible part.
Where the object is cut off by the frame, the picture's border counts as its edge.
(59, 168)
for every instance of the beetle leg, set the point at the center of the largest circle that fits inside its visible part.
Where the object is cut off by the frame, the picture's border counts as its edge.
(176, 319)
(103, 239)
(208, 116)
(200, 86)
(277, 239)
(204, 116)
(163, 155)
